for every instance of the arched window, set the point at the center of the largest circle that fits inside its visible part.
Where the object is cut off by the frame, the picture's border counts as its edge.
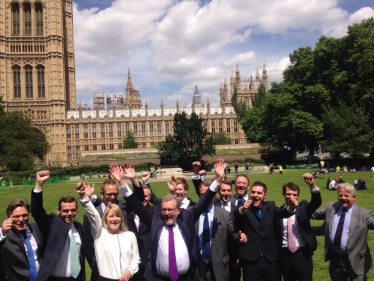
(246, 101)
(15, 19)
(17, 82)
(41, 83)
(39, 18)
(29, 89)
(27, 18)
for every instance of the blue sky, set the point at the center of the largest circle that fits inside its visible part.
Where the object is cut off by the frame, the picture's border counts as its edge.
(170, 46)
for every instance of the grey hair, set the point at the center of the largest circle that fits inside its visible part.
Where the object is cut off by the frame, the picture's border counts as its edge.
(348, 187)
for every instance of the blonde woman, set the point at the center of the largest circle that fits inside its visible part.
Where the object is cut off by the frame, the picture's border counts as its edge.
(116, 248)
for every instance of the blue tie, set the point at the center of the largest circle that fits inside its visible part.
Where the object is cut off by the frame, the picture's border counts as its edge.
(30, 256)
(205, 248)
(259, 213)
(339, 229)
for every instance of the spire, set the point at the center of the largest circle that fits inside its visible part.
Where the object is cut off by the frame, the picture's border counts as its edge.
(196, 97)
(264, 72)
(257, 76)
(129, 82)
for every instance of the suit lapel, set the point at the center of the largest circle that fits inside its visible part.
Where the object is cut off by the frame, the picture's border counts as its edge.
(17, 240)
(352, 223)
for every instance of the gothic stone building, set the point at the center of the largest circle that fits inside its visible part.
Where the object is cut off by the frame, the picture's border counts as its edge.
(38, 78)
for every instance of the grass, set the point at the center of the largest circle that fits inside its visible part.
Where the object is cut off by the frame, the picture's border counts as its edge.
(52, 193)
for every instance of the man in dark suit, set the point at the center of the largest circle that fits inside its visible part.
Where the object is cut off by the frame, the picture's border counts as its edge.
(216, 236)
(346, 227)
(256, 218)
(21, 244)
(109, 193)
(142, 233)
(296, 240)
(169, 226)
(64, 250)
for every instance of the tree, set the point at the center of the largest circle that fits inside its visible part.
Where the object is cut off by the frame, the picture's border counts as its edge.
(221, 138)
(20, 142)
(240, 109)
(129, 141)
(258, 98)
(189, 142)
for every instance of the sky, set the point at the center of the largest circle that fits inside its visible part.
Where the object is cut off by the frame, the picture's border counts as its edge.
(170, 46)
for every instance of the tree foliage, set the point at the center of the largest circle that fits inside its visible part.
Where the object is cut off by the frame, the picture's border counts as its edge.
(20, 142)
(190, 140)
(129, 141)
(335, 80)
(221, 138)
(240, 109)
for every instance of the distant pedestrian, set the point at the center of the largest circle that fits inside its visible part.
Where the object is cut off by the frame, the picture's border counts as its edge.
(236, 167)
(246, 168)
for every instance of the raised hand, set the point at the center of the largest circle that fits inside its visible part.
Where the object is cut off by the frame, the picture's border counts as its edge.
(202, 172)
(80, 187)
(145, 177)
(6, 226)
(196, 167)
(219, 169)
(309, 179)
(171, 184)
(116, 172)
(129, 171)
(41, 177)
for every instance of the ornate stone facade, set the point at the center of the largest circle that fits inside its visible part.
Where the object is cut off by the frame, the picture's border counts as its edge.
(38, 78)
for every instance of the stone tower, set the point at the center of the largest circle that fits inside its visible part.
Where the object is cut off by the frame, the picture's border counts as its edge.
(132, 99)
(37, 65)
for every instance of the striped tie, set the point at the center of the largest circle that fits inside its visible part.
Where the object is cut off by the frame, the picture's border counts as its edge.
(339, 229)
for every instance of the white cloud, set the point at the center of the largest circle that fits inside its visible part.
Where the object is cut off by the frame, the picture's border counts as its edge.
(185, 44)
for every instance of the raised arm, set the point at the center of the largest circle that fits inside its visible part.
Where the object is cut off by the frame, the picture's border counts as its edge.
(37, 210)
(85, 190)
(316, 199)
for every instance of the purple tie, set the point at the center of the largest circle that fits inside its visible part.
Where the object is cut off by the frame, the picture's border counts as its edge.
(173, 269)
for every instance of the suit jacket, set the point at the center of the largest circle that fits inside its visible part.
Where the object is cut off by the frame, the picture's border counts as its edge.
(55, 232)
(143, 236)
(357, 247)
(260, 232)
(303, 213)
(186, 221)
(222, 238)
(14, 262)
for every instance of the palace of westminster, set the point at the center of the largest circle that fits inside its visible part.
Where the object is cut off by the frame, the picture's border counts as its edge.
(38, 79)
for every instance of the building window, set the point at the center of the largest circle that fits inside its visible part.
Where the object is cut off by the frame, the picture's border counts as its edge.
(167, 129)
(135, 130)
(86, 148)
(228, 126)
(15, 19)
(236, 141)
(144, 145)
(110, 130)
(102, 129)
(94, 131)
(85, 131)
(152, 144)
(220, 126)
(159, 128)
(27, 18)
(28, 73)
(120, 146)
(77, 152)
(17, 82)
(76, 131)
(119, 131)
(111, 146)
(127, 128)
(103, 147)
(143, 129)
(69, 152)
(213, 126)
(39, 18)
(151, 129)
(235, 126)
(41, 83)
(68, 132)
(246, 102)
(94, 147)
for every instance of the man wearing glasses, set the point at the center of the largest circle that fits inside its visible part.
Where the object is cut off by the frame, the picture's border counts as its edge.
(175, 249)
(109, 193)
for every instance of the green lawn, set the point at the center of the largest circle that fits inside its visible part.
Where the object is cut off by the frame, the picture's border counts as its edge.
(52, 193)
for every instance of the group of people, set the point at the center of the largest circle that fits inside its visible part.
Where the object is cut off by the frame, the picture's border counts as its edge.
(225, 237)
